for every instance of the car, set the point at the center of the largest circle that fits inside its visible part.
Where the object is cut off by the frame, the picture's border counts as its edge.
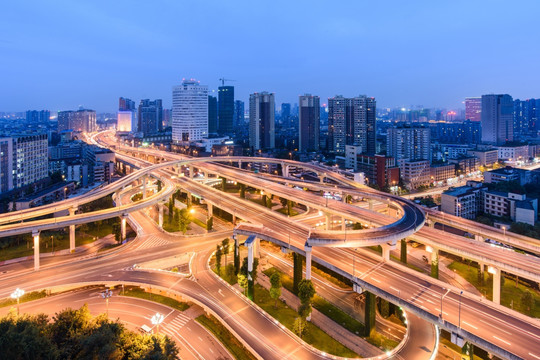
(424, 257)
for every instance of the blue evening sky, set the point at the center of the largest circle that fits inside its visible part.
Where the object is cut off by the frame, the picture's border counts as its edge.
(60, 54)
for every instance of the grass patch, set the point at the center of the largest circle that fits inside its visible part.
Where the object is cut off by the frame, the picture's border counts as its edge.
(199, 222)
(284, 211)
(108, 247)
(286, 316)
(510, 294)
(141, 294)
(228, 340)
(381, 341)
(34, 295)
(338, 315)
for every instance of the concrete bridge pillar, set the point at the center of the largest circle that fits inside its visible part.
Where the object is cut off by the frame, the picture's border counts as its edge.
(239, 164)
(322, 177)
(144, 181)
(431, 223)
(496, 284)
(328, 220)
(123, 226)
(210, 209)
(35, 235)
(385, 252)
(369, 313)
(236, 255)
(191, 171)
(343, 223)
(251, 283)
(403, 251)
(160, 216)
(478, 238)
(435, 263)
(370, 204)
(307, 248)
(72, 211)
(344, 197)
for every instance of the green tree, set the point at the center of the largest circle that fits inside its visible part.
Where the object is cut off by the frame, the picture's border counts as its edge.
(299, 326)
(357, 226)
(275, 287)
(306, 292)
(218, 259)
(527, 300)
(226, 248)
(242, 191)
(210, 223)
(171, 209)
(243, 281)
(117, 233)
(385, 308)
(184, 219)
(159, 185)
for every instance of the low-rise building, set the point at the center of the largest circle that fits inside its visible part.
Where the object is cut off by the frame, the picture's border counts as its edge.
(513, 152)
(509, 174)
(415, 173)
(351, 154)
(486, 157)
(464, 201)
(465, 164)
(517, 207)
(378, 170)
(442, 172)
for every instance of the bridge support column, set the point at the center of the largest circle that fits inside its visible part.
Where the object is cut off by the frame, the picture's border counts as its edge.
(344, 197)
(431, 223)
(251, 284)
(385, 252)
(478, 238)
(403, 251)
(343, 224)
(297, 271)
(160, 216)
(369, 313)
(72, 211)
(307, 248)
(435, 263)
(322, 177)
(123, 222)
(370, 204)
(328, 219)
(210, 209)
(144, 181)
(35, 235)
(191, 172)
(239, 164)
(496, 284)
(236, 255)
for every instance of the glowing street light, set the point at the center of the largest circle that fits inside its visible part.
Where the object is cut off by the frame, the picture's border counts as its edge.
(16, 295)
(106, 295)
(156, 320)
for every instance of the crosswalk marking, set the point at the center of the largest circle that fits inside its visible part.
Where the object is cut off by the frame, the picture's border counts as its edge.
(153, 241)
(177, 323)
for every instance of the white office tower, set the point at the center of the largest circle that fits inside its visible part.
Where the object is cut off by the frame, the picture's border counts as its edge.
(189, 112)
(497, 119)
(261, 121)
(124, 121)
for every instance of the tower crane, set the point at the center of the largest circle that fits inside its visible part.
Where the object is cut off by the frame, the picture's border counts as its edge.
(223, 81)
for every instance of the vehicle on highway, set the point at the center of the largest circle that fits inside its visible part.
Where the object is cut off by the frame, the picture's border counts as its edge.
(426, 260)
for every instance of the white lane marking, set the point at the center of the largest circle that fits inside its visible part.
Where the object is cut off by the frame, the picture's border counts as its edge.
(200, 338)
(504, 331)
(221, 293)
(372, 278)
(534, 356)
(504, 341)
(429, 301)
(474, 327)
(393, 288)
(439, 310)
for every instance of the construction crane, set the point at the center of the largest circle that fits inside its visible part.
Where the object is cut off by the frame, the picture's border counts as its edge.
(223, 81)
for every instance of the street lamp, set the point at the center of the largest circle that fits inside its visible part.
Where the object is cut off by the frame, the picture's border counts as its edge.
(16, 295)
(106, 295)
(442, 297)
(459, 312)
(156, 320)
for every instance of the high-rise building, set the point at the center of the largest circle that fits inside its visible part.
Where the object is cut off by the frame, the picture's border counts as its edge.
(309, 122)
(23, 160)
(212, 115)
(261, 121)
(81, 120)
(473, 109)
(285, 112)
(467, 132)
(351, 121)
(409, 143)
(526, 116)
(238, 113)
(127, 115)
(150, 117)
(190, 111)
(167, 118)
(36, 117)
(497, 119)
(225, 109)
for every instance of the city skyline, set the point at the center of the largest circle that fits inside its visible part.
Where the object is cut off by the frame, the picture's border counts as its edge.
(100, 65)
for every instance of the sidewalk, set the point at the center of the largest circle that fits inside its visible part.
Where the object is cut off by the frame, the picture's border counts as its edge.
(336, 331)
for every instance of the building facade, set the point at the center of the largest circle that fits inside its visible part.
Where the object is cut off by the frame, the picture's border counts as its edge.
(189, 112)
(225, 110)
(309, 123)
(378, 170)
(81, 120)
(464, 201)
(261, 121)
(497, 119)
(212, 115)
(415, 173)
(150, 116)
(473, 109)
(351, 121)
(409, 143)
